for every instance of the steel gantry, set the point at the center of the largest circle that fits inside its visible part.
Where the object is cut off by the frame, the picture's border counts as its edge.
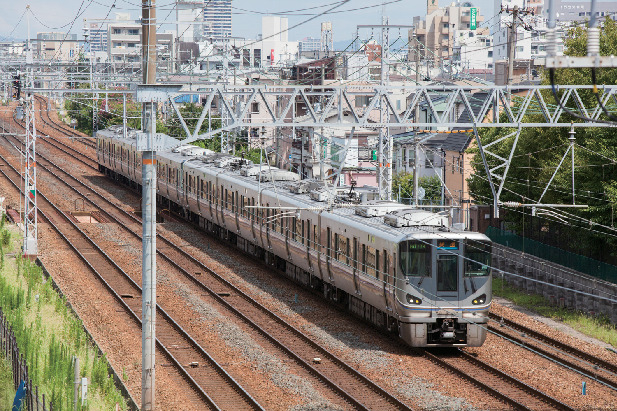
(30, 248)
(447, 107)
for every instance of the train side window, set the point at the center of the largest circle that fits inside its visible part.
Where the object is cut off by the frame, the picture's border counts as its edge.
(342, 250)
(302, 231)
(385, 266)
(354, 257)
(298, 231)
(336, 250)
(328, 242)
(369, 260)
(315, 237)
(377, 267)
(282, 222)
(363, 261)
(393, 269)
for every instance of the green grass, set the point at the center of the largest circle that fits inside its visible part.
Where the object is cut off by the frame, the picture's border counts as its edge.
(598, 327)
(7, 392)
(49, 335)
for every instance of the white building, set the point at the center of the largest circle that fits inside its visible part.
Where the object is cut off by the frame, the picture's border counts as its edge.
(309, 44)
(217, 19)
(97, 37)
(189, 20)
(124, 44)
(472, 51)
(277, 50)
(57, 46)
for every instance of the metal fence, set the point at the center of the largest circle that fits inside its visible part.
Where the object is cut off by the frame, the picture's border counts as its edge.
(589, 266)
(8, 345)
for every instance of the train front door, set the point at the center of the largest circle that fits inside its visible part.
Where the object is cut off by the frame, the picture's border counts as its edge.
(447, 277)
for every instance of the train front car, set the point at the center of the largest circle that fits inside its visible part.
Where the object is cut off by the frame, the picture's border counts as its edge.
(444, 288)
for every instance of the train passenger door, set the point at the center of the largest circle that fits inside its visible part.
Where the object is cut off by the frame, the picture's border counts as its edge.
(356, 265)
(329, 252)
(239, 203)
(387, 281)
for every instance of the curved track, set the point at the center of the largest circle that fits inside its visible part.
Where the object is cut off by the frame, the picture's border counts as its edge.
(209, 382)
(331, 372)
(61, 127)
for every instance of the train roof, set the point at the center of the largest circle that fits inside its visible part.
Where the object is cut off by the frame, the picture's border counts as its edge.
(280, 194)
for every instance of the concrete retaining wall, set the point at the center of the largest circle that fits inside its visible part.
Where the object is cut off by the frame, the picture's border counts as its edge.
(556, 282)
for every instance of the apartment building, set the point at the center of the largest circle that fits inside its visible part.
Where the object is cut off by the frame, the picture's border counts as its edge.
(434, 37)
(217, 19)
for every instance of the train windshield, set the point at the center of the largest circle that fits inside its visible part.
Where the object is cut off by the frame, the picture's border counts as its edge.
(415, 258)
(477, 258)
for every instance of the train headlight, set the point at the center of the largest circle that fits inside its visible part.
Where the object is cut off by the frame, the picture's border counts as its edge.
(413, 300)
(479, 300)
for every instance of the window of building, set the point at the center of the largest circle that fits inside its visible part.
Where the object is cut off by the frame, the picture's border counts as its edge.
(490, 53)
(519, 48)
(430, 159)
(117, 31)
(254, 108)
(134, 32)
(362, 101)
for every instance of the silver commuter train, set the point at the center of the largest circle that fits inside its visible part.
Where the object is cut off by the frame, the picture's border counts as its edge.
(414, 275)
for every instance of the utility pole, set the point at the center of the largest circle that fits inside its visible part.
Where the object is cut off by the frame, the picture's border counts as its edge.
(513, 36)
(512, 45)
(148, 170)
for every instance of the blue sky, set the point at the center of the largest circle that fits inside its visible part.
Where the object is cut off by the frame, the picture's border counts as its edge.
(58, 15)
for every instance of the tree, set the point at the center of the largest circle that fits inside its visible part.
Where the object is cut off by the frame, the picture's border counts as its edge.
(540, 150)
(402, 187)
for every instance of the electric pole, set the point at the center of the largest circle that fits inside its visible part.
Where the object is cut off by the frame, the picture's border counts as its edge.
(148, 169)
(512, 45)
(513, 36)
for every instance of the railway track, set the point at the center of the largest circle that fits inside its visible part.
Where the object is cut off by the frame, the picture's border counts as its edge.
(209, 382)
(61, 127)
(591, 366)
(523, 396)
(512, 392)
(88, 161)
(331, 372)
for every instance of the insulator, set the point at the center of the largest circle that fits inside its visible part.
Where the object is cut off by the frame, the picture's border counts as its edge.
(511, 204)
(593, 41)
